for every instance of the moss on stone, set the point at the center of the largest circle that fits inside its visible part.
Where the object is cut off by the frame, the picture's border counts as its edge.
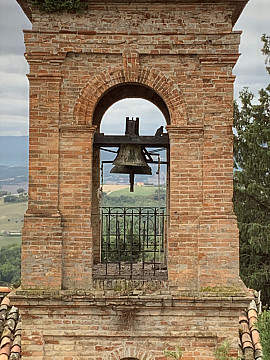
(221, 290)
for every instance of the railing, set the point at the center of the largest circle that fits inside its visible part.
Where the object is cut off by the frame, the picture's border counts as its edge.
(132, 242)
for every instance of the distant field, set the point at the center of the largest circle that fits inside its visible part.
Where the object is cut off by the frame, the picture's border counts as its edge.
(11, 216)
(112, 188)
(6, 240)
(138, 190)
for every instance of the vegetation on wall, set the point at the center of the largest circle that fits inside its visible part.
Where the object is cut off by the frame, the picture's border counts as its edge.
(223, 350)
(58, 5)
(177, 354)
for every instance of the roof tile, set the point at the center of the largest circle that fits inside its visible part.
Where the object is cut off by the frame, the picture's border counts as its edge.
(10, 330)
(250, 347)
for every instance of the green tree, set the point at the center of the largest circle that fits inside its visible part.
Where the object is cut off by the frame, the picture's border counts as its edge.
(252, 185)
(10, 264)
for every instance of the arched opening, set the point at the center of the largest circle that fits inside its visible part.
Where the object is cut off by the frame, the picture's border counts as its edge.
(113, 123)
(130, 234)
(125, 91)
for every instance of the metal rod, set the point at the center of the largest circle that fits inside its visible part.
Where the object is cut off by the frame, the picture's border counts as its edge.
(111, 151)
(148, 162)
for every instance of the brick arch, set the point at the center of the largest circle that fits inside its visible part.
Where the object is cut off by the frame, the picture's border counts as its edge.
(129, 352)
(95, 88)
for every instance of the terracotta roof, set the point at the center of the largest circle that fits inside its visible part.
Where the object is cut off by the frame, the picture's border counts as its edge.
(249, 339)
(10, 328)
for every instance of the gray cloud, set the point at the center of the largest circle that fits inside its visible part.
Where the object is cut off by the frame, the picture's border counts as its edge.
(15, 64)
(13, 67)
(13, 103)
(12, 21)
(13, 107)
(13, 83)
(11, 125)
(250, 69)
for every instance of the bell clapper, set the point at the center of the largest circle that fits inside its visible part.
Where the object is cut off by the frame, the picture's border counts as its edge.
(131, 182)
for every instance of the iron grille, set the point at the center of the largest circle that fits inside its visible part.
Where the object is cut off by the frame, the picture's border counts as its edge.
(132, 242)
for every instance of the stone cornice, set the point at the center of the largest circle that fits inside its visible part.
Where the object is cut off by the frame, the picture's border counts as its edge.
(36, 57)
(78, 128)
(178, 130)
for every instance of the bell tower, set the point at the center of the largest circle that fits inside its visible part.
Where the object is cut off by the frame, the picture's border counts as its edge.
(179, 55)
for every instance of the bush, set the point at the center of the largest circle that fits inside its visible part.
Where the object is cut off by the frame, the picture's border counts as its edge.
(15, 198)
(3, 193)
(264, 328)
(11, 199)
(57, 5)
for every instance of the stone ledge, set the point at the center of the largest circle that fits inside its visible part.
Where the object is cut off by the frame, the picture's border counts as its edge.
(195, 334)
(44, 298)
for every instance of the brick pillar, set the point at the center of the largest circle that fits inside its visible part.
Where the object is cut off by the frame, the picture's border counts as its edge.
(219, 242)
(76, 153)
(185, 205)
(42, 230)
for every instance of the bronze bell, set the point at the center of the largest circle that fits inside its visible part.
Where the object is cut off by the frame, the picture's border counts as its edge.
(131, 160)
(130, 156)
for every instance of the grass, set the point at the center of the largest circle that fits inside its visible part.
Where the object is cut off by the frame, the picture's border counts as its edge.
(11, 219)
(11, 216)
(109, 188)
(7, 240)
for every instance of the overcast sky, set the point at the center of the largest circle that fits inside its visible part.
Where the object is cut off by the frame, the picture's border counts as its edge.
(250, 70)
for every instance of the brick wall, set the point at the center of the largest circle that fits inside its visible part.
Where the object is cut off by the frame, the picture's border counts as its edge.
(180, 56)
(127, 320)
